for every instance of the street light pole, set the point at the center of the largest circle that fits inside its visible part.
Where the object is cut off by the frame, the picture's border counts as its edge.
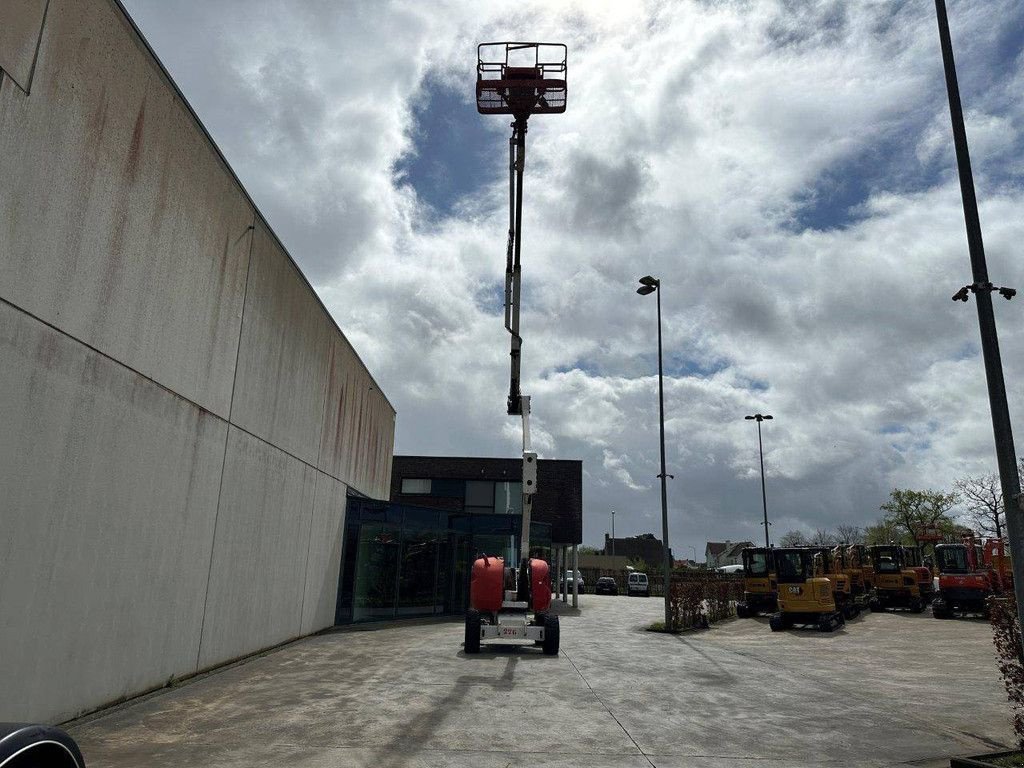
(650, 285)
(760, 449)
(613, 533)
(1005, 454)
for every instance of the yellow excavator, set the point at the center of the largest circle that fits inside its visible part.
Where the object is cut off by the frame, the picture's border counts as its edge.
(896, 583)
(804, 596)
(859, 557)
(760, 591)
(847, 561)
(826, 565)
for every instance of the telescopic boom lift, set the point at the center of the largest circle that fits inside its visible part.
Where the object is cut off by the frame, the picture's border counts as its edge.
(518, 79)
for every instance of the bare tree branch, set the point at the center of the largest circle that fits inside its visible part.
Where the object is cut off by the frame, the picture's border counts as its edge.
(982, 499)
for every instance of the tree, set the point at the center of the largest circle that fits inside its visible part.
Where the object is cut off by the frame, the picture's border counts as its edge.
(983, 504)
(911, 512)
(850, 534)
(585, 550)
(823, 538)
(884, 532)
(792, 539)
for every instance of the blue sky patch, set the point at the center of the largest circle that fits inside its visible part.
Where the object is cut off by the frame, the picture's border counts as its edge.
(454, 150)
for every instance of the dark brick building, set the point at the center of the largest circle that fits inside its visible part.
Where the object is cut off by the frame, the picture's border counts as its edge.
(649, 550)
(459, 484)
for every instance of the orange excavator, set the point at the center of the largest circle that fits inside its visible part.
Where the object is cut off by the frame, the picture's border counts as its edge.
(970, 573)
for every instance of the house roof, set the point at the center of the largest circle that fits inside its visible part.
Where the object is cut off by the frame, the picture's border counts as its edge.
(737, 548)
(727, 548)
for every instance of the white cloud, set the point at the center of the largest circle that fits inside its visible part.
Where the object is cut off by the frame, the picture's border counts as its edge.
(696, 135)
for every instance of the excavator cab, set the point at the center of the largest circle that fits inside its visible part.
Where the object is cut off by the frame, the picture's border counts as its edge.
(965, 583)
(995, 555)
(925, 581)
(860, 558)
(759, 585)
(803, 596)
(828, 566)
(896, 585)
(846, 561)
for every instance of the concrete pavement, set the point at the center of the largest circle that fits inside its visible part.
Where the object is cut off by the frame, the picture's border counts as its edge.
(889, 689)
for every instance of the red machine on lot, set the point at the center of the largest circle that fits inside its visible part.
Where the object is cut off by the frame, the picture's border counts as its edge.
(506, 603)
(970, 573)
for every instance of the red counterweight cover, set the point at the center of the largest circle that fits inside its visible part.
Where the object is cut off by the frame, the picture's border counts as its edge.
(540, 585)
(487, 584)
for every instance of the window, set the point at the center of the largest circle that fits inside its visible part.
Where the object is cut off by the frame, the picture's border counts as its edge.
(411, 485)
(791, 566)
(508, 498)
(479, 493)
(756, 563)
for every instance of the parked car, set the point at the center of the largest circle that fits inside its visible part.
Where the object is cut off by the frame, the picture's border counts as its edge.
(606, 586)
(579, 582)
(737, 568)
(637, 584)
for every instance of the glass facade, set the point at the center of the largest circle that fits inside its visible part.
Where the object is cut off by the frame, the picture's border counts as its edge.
(400, 561)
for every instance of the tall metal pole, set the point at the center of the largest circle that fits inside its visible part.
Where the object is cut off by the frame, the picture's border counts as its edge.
(663, 475)
(764, 498)
(613, 533)
(1005, 454)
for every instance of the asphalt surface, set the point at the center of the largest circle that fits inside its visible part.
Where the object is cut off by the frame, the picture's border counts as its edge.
(888, 689)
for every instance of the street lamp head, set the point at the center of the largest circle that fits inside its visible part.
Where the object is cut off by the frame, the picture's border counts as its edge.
(767, 418)
(643, 290)
(749, 418)
(648, 280)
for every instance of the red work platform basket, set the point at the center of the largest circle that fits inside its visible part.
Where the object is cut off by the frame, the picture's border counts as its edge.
(520, 79)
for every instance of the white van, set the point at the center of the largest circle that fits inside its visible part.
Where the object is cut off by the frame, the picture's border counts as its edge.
(636, 584)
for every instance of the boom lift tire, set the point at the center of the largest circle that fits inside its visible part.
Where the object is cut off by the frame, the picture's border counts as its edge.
(472, 643)
(551, 633)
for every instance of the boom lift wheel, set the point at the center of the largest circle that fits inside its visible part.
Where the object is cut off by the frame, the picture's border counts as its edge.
(472, 644)
(551, 633)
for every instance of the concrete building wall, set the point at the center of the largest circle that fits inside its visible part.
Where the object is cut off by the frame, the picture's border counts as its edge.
(182, 418)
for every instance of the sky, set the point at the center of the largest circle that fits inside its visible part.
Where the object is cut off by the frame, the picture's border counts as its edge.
(785, 167)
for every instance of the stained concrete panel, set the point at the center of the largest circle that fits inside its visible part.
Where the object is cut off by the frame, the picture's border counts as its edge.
(121, 225)
(108, 491)
(283, 354)
(324, 560)
(259, 561)
(359, 425)
(20, 23)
